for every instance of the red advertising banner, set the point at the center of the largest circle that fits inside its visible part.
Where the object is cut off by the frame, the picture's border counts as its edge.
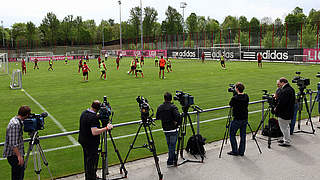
(313, 55)
(146, 53)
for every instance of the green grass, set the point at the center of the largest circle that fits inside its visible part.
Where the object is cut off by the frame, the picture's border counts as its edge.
(64, 95)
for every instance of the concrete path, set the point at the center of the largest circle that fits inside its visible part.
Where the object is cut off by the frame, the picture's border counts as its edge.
(301, 161)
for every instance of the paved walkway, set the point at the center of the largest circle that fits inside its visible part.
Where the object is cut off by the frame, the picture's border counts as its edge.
(301, 161)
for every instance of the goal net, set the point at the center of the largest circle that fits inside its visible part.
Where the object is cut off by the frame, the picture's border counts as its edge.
(229, 51)
(300, 59)
(41, 56)
(4, 65)
(16, 79)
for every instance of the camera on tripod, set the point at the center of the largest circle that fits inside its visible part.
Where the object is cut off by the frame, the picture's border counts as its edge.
(34, 122)
(144, 109)
(185, 99)
(105, 111)
(301, 82)
(232, 88)
(269, 97)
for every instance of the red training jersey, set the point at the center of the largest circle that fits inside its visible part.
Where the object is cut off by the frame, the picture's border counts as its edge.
(259, 57)
(23, 63)
(85, 68)
(162, 62)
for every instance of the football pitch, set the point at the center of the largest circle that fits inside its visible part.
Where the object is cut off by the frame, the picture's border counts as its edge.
(65, 95)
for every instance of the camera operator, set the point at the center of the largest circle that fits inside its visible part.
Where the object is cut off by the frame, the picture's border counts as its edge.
(284, 110)
(14, 147)
(89, 138)
(170, 118)
(239, 103)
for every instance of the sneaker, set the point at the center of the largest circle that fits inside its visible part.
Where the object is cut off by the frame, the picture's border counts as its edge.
(284, 144)
(170, 165)
(280, 141)
(232, 153)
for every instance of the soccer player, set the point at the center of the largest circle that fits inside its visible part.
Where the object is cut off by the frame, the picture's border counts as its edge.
(202, 57)
(156, 61)
(23, 66)
(103, 70)
(259, 60)
(66, 59)
(36, 64)
(50, 64)
(133, 66)
(85, 70)
(162, 64)
(80, 65)
(139, 69)
(118, 61)
(106, 56)
(99, 61)
(169, 65)
(222, 61)
(87, 58)
(142, 59)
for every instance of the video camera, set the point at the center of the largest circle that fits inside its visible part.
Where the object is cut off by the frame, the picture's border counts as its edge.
(269, 97)
(232, 88)
(105, 111)
(144, 109)
(34, 122)
(185, 99)
(301, 82)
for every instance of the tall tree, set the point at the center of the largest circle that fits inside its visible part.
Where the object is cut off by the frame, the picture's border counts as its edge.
(135, 15)
(173, 22)
(150, 18)
(192, 23)
(51, 24)
(243, 23)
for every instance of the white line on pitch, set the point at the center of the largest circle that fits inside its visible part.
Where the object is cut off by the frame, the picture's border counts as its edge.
(130, 135)
(74, 142)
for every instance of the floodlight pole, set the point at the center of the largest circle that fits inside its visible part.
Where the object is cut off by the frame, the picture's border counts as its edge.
(2, 34)
(141, 28)
(183, 5)
(120, 26)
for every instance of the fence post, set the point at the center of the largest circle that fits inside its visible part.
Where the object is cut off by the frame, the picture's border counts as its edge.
(262, 114)
(198, 122)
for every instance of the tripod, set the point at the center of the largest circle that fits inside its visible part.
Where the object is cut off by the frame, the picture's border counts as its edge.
(182, 133)
(301, 96)
(146, 122)
(104, 158)
(226, 133)
(266, 114)
(37, 151)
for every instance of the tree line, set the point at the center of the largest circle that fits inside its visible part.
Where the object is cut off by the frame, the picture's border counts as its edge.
(74, 30)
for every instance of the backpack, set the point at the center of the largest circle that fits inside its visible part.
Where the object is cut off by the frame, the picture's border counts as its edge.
(195, 145)
(274, 129)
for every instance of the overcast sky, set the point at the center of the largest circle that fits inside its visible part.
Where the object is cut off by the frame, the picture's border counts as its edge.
(13, 11)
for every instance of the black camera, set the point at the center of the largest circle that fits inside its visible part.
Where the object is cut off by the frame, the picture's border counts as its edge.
(144, 109)
(232, 88)
(185, 99)
(269, 97)
(34, 122)
(105, 111)
(301, 82)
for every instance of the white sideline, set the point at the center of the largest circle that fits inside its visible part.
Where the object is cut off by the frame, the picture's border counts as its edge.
(129, 135)
(74, 142)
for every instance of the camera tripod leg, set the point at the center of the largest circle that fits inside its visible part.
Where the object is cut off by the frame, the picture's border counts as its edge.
(261, 123)
(226, 132)
(122, 167)
(309, 115)
(254, 138)
(131, 145)
(44, 159)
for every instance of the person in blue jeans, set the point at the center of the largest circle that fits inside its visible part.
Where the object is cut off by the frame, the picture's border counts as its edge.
(170, 119)
(239, 104)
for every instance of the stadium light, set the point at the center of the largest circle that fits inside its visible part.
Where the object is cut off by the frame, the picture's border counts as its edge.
(183, 5)
(141, 28)
(2, 34)
(120, 26)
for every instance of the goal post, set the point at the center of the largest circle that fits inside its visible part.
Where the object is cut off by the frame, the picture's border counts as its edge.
(41, 56)
(230, 51)
(300, 59)
(16, 79)
(4, 64)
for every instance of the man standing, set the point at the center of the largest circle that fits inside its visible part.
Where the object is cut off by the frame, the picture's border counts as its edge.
(170, 118)
(156, 60)
(222, 62)
(118, 62)
(85, 70)
(239, 104)
(80, 65)
(99, 61)
(259, 60)
(202, 57)
(284, 110)
(162, 64)
(50, 64)
(36, 63)
(89, 138)
(139, 69)
(103, 70)
(14, 147)
(23, 66)
(142, 59)
(169, 65)
(132, 66)
(106, 56)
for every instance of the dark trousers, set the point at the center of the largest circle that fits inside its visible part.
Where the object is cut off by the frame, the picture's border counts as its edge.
(17, 171)
(235, 125)
(171, 138)
(91, 158)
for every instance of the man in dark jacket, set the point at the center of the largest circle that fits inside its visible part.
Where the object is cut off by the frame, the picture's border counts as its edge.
(89, 138)
(239, 104)
(170, 118)
(284, 110)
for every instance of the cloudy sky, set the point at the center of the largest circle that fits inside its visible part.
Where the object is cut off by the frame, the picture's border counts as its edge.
(13, 11)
